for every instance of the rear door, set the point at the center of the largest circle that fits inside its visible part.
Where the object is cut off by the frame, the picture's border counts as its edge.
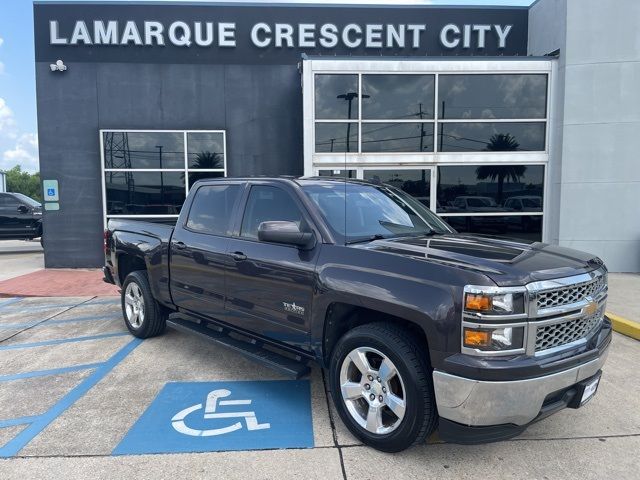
(198, 249)
(13, 222)
(270, 286)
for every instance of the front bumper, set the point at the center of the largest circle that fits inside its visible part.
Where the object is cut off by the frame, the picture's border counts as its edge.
(503, 409)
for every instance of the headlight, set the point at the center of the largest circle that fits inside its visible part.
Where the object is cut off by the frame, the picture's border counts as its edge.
(494, 303)
(494, 339)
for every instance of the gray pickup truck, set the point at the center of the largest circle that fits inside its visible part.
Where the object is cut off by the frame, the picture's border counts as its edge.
(417, 325)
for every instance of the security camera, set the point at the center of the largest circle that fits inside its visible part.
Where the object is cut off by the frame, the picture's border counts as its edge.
(58, 66)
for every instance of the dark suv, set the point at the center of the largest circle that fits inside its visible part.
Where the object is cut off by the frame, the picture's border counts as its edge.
(20, 217)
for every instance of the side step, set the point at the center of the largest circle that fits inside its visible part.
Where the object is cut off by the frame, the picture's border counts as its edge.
(252, 348)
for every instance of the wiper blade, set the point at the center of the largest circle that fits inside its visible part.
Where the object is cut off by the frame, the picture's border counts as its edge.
(370, 238)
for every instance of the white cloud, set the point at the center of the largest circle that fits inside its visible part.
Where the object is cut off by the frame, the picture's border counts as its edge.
(1, 41)
(16, 147)
(1, 68)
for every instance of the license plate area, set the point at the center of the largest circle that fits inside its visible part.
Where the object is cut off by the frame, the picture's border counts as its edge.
(588, 388)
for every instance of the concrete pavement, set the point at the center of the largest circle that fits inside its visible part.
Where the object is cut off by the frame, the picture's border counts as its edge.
(624, 295)
(74, 337)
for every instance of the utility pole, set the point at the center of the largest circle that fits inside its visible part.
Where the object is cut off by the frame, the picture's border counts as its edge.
(349, 97)
(159, 147)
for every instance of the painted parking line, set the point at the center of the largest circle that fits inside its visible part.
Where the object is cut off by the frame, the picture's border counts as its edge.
(218, 416)
(45, 322)
(12, 422)
(59, 341)
(45, 373)
(40, 422)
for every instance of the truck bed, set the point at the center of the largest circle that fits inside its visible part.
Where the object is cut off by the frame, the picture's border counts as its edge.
(161, 231)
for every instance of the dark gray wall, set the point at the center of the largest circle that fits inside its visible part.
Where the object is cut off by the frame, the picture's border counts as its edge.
(259, 106)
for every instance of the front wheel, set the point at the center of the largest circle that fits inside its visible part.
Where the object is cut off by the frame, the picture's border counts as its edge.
(143, 316)
(381, 386)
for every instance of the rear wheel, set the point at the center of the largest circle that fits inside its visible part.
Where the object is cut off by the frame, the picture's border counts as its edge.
(143, 316)
(381, 386)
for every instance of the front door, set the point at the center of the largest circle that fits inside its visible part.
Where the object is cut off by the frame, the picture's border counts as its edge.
(198, 250)
(16, 218)
(270, 286)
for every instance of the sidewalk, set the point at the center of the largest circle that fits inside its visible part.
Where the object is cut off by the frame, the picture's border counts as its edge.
(53, 282)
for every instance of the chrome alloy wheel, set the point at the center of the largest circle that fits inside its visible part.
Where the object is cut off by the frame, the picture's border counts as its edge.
(134, 305)
(372, 390)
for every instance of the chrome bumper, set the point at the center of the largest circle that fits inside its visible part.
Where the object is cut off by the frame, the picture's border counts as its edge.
(482, 403)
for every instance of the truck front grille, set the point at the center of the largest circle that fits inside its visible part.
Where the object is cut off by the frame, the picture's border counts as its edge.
(571, 294)
(558, 334)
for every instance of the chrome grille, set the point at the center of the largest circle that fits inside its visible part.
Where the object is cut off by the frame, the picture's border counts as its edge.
(559, 334)
(570, 294)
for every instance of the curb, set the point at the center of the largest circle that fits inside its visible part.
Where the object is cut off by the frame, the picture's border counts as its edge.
(624, 326)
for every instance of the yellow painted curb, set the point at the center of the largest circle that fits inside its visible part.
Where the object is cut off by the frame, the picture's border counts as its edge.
(624, 326)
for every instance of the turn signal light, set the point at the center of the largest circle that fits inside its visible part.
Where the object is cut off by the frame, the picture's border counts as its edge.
(480, 303)
(477, 338)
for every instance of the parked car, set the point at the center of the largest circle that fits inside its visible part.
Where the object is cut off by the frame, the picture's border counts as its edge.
(20, 217)
(478, 223)
(524, 203)
(417, 325)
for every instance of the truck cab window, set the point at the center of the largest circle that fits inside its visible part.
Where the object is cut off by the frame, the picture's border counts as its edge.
(266, 204)
(211, 209)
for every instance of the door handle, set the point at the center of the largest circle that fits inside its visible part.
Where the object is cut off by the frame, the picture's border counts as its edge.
(238, 256)
(180, 245)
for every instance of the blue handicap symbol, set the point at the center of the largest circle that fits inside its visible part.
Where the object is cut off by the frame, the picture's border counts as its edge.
(51, 192)
(216, 416)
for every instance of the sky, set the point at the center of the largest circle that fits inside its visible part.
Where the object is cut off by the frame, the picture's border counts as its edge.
(18, 120)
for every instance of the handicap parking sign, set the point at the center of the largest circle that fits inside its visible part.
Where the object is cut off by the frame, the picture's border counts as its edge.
(216, 416)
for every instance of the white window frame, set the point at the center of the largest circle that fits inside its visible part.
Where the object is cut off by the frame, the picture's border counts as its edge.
(186, 170)
(314, 162)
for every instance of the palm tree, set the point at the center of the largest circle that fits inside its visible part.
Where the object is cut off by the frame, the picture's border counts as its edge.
(208, 160)
(502, 142)
(512, 173)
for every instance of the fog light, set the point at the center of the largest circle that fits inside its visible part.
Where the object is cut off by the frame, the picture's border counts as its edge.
(477, 338)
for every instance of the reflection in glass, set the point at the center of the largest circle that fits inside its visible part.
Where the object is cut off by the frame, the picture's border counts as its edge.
(211, 209)
(337, 137)
(525, 227)
(337, 173)
(195, 176)
(491, 137)
(492, 96)
(144, 193)
(400, 97)
(490, 188)
(143, 149)
(336, 96)
(205, 150)
(416, 183)
(397, 137)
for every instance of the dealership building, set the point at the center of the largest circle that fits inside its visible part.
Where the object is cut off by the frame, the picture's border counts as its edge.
(520, 122)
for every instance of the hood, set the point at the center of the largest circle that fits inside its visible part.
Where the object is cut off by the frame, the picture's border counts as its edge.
(506, 262)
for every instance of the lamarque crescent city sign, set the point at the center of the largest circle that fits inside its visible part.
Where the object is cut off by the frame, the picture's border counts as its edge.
(279, 35)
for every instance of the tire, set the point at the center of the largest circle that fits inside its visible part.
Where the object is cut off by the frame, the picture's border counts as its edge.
(412, 383)
(143, 316)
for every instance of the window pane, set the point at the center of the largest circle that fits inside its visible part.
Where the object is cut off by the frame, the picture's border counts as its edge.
(336, 96)
(143, 150)
(205, 150)
(490, 188)
(492, 96)
(491, 137)
(211, 209)
(416, 183)
(402, 97)
(195, 176)
(144, 193)
(397, 137)
(267, 204)
(337, 173)
(332, 137)
(526, 227)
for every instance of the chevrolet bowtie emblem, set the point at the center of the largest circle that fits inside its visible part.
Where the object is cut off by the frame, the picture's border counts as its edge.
(590, 308)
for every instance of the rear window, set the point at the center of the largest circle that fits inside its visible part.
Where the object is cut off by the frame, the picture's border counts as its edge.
(211, 209)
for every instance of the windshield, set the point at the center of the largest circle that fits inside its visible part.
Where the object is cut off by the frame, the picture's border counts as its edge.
(28, 200)
(372, 211)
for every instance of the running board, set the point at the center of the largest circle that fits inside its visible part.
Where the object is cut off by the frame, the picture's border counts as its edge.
(252, 349)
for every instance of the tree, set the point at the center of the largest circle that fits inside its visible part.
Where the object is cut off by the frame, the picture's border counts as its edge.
(501, 173)
(502, 142)
(24, 182)
(208, 160)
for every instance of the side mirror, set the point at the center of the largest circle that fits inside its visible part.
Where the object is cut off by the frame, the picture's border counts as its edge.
(23, 209)
(286, 232)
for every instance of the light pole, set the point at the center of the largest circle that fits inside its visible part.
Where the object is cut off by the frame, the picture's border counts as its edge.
(159, 147)
(349, 97)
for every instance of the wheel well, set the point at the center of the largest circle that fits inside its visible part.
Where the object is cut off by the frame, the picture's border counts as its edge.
(342, 317)
(128, 264)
